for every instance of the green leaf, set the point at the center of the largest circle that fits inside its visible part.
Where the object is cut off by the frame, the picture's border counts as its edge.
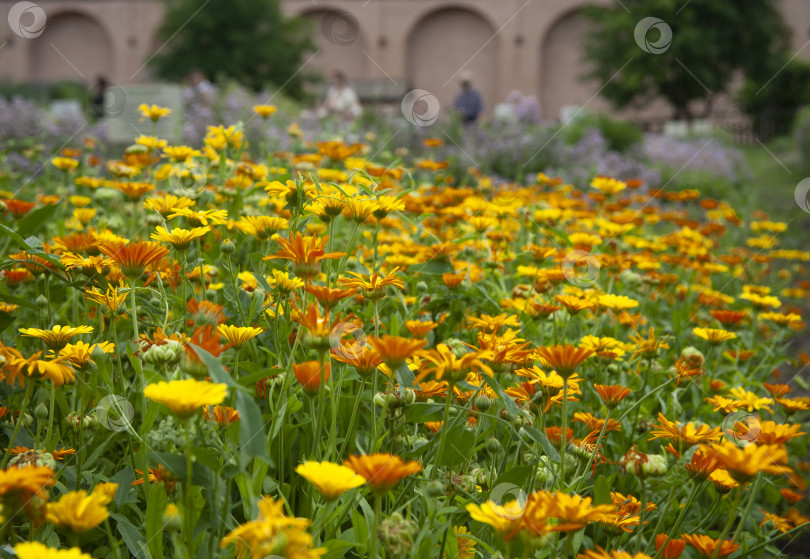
(601, 491)
(420, 412)
(542, 440)
(507, 400)
(35, 220)
(519, 475)
(134, 540)
(155, 507)
(458, 446)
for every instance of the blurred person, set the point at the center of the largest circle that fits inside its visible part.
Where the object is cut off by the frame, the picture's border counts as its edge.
(199, 89)
(518, 108)
(341, 100)
(97, 91)
(468, 102)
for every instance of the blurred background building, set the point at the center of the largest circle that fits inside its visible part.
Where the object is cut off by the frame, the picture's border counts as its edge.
(384, 46)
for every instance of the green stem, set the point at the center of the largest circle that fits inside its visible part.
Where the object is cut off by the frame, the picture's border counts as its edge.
(595, 450)
(187, 516)
(134, 308)
(446, 422)
(372, 534)
(563, 441)
(29, 388)
(680, 518)
(202, 269)
(352, 424)
(732, 513)
(748, 506)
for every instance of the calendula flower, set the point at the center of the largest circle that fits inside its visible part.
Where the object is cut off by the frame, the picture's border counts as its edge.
(328, 296)
(714, 335)
(305, 253)
(223, 415)
(284, 284)
(184, 397)
(110, 299)
(309, 375)
(36, 550)
(420, 328)
(264, 111)
(80, 354)
(160, 475)
(608, 185)
(393, 350)
(616, 302)
(134, 190)
(58, 336)
(261, 227)
(64, 163)
(767, 432)
(382, 471)
(331, 480)
(133, 258)
(728, 318)
(505, 519)
(180, 239)
(374, 285)
(153, 112)
(708, 547)
(563, 358)
(745, 462)
(611, 395)
(442, 363)
(238, 336)
(273, 533)
(687, 434)
(201, 217)
(79, 511)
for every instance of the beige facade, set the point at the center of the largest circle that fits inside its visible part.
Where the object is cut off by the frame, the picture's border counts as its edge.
(528, 45)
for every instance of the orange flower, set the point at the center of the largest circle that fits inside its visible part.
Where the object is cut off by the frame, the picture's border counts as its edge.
(133, 258)
(453, 280)
(223, 415)
(305, 253)
(728, 318)
(158, 475)
(612, 394)
(674, 547)
(687, 434)
(374, 287)
(328, 296)
(309, 375)
(394, 350)
(419, 328)
(365, 360)
(383, 471)
(706, 546)
(564, 359)
(743, 463)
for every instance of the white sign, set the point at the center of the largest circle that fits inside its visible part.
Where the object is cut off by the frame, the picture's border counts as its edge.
(125, 121)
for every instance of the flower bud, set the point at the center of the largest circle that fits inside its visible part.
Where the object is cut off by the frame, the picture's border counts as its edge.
(483, 402)
(41, 411)
(494, 445)
(172, 519)
(435, 489)
(42, 301)
(227, 247)
(380, 400)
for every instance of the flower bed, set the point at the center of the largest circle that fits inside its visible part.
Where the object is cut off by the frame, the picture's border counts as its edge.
(313, 354)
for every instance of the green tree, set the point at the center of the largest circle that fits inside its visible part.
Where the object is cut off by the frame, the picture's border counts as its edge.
(691, 52)
(251, 41)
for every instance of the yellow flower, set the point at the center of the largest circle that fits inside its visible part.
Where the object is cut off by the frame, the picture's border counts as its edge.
(201, 217)
(111, 299)
(616, 302)
(761, 301)
(180, 239)
(264, 111)
(164, 205)
(238, 336)
(84, 215)
(150, 142)
(330, 479)
(714, 335)
(284, 283)
(261, 227)
(80, 201)
(81, 512)
(608, 185)
(505, 519)
(80, 354)
(64, 163)
(744, 462)
(687, 434)
(184, 397)
(153, 113)
(57, 337)
(36, 550)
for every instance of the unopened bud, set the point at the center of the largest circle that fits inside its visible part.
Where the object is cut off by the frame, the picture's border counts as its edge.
(227, 247)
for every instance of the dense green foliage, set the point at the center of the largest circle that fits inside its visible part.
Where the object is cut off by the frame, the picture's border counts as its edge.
(248, 40)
